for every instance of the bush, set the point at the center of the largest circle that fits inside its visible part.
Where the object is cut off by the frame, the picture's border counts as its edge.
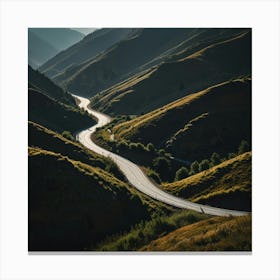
(194, 168)
(204, 165)
(68, 135)
(243, 147)
(231, 155)
(181, 173)
(154, 175)
(161, 165)
(151, 148)
(215, 159)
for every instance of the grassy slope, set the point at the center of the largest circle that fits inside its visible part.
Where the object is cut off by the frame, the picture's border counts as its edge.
(227, 185)
(215, 234)
(55, 115)
(144, 232)
(39, 136)
(125, 58)
(72, 205)
(168, 81)
(92, 45)
(45, 85)
(195, 126)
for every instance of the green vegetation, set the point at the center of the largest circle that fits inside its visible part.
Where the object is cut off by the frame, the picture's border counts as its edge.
(39, 136)
(72, 205)
(226, 185)
(181, 173)
(144, 232)
(40, 82)
(216, 119)
(192, 69)
(55, 115)
(215, 234)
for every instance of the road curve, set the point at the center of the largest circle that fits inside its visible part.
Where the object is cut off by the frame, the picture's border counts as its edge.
(136, 176)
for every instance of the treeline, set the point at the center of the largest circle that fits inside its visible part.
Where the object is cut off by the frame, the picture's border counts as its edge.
(205, 164)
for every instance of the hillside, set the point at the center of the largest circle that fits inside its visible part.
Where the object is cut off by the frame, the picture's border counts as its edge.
(54, 115)
(186, 73)
(147, 48)
(59, 38)
(215, 234)
(39, 50)
(41, 137)
(72, 205)
(226, 185)
(87, 49)
(45, 85)
(193, 127)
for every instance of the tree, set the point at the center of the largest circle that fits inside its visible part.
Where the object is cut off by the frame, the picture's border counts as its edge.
(161, 165)
(243, 147)
(194, 168)
(151, 147)
(68, 135)
(204, 165)
(215, 159)
(231, 155)
(181, 173)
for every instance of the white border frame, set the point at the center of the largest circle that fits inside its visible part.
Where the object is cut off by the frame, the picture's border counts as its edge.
(17, 16)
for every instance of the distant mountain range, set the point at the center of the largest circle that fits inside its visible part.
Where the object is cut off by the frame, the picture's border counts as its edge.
(44, 43)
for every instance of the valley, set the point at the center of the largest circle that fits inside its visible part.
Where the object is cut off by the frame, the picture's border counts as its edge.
(140, 139)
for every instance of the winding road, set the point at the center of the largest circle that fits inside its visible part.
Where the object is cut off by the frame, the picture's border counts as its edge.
(135, 175)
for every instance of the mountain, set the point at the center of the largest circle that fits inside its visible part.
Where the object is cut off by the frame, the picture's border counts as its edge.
(139, 51)
(39, 50)
(187, 73)
(44, 43)
(54, 115)
(216, 119)
(226, 185)
(60, 38)
(85, 31)
(72, 59)
(45, 85)
(75, 197)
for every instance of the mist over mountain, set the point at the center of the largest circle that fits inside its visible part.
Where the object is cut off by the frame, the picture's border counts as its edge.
(44, 43)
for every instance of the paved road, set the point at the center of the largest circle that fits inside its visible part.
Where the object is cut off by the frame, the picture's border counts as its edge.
(135, 175)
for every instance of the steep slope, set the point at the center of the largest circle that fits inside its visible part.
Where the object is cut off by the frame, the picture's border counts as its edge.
(45, 85)
(41, 137)
(39, 50)
(70, 59)
(227, 185)
(72, 205)
(59, 38)
(186, 73)
(215, 234)
(126, 57)
(54, 115)
(195, 126)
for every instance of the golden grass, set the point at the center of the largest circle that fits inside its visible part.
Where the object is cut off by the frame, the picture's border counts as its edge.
(130, 127)
(230, 178)
(214, 234)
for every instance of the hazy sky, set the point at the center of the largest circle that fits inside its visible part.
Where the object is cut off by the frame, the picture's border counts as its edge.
(85, 30)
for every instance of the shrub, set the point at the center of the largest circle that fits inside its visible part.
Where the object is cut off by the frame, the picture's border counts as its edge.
(204, 165)
(243, 147)
(181, 173)
(151, 147)
(231, 155)
(194, 168)
(154, 175)
(161, 165)
(215, 159)
(68, 135)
